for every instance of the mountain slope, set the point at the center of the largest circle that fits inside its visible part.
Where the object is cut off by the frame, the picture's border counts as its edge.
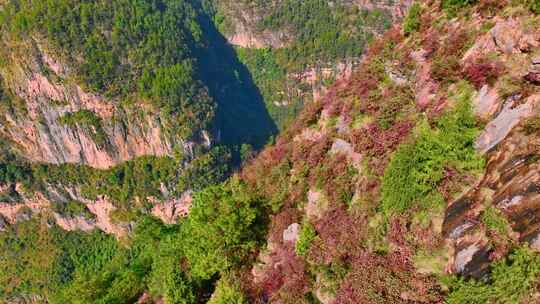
(412, 180)
(423, 163)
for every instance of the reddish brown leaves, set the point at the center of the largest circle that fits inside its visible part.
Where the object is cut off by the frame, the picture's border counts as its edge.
(483, 71)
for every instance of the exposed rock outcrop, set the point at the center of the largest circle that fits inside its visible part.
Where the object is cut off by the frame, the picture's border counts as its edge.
(119, 133)
(508, 118)
(170, 210)
(20, 204)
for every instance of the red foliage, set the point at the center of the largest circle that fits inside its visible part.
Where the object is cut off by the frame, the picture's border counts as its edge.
(483, 71)
(436, 109)
(280, 222)
(430, 42)
(393, 36)
(332, 176)
(378, 279)
(308, 116)
(312, 151)
(491, 7)
(285, 276)
(455, 44)
(376, 141)
(340, 236)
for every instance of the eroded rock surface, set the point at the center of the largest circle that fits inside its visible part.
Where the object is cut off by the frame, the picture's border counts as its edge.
(37, 130)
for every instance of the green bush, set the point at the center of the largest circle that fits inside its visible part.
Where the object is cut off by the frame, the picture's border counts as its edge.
(535, 6)
(494, 220)
(125, 49)
(227, 293)
(72, 209)
(412, 22)
(307, 235)
(453, 6)
(416, 169)
(510, 281)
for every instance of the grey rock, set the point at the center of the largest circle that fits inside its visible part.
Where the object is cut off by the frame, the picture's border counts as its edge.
(500, 127)
(464, 257)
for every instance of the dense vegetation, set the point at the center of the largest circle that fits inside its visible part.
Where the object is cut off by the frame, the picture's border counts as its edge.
(510, 281)
(417, 168)
(346, 206)
(125, 49)
(322, 33)
(177, 263)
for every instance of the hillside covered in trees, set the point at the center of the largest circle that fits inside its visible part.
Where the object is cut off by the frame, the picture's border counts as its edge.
(140, 160)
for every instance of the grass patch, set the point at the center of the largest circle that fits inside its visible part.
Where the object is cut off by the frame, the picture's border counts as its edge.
(495, 221)
(452, 7)
(72, 209)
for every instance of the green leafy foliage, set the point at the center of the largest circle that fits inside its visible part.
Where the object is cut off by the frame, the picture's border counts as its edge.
(227, 293)
(453, 6)
(140, 178)
(416, 169)
(494, 220)
(39, 260)
(208, 169)
(412, 22)
(510, 280)
(535, 6)
(322, 34)
(223, 228)
(307, 235)
(173, 262)
(72, 209)
(271, 78)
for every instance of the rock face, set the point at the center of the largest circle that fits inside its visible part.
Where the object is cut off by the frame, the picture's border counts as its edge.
(533, 75)
(41, 202)
(291, 233)
(508, 118)
(398, 9)
(172, 209)
(245, 37)
(243, 25)
(36, 130)
(17, 204)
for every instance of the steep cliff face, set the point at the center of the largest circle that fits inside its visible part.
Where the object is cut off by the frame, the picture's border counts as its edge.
(102, 132)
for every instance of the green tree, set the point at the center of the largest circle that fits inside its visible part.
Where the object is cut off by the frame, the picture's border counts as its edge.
(222, 229)
(227, 293)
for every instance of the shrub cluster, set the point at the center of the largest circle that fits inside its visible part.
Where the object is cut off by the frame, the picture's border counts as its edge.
(416, 169)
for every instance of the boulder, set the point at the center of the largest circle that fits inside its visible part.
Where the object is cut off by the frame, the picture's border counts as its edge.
(291, 233)
(486, 102)
(510, 116)
(533, 74)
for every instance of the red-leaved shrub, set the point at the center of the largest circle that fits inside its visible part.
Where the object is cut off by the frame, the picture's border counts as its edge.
(483, 71)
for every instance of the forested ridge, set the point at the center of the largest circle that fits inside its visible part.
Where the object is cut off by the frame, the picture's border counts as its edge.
(395, 186)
